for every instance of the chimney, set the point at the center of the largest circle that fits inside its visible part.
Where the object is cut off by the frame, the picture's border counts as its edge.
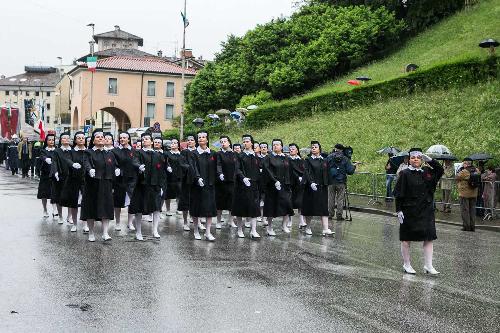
(2, 77)
(117, 27)
(160, 53)
(188, 53)
(200, 58)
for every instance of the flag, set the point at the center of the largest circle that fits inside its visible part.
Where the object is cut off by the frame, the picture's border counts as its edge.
(185, 20)
(40, 128)
(91, 63)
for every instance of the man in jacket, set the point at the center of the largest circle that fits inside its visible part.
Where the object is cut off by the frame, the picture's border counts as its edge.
(467, 194)
(24, 151)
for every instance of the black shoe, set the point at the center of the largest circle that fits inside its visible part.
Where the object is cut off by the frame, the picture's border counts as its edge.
(340, 218)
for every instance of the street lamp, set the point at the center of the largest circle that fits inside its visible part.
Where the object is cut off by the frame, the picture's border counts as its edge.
(198, 122)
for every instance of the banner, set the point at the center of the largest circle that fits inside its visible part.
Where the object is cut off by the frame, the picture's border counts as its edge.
(92, 63)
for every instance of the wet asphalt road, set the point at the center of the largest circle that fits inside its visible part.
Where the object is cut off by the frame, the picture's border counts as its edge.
(56, 281)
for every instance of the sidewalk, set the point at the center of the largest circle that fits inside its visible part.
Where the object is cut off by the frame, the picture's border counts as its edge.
(380, 207)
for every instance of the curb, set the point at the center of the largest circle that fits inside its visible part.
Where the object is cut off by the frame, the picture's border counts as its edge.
(387, 213)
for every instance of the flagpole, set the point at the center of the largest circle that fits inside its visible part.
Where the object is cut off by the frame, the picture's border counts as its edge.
(183, 62)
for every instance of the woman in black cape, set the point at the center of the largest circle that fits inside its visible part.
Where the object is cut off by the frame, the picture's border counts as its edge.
(100, 171)
(164, 171)
(296, 179)
(414, 193)
(60, 171)
(178, 164)
(187, 181)
(316, 181)
(224, 186)
(45, 184)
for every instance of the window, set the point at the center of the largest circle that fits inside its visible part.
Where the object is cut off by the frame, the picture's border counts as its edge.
(27, 93)
(170, 89)
(48, 93)
(37, 93)
(151, 88)
(7, 93)
(48, 120)
(79, 84)
(48, 106)
(169, 112)
(15, 92)
(113, 86)
(150, 110)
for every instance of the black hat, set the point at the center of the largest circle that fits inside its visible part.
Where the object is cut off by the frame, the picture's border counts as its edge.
(339, 146)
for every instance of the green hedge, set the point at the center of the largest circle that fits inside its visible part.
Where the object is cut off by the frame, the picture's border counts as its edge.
(443, 76)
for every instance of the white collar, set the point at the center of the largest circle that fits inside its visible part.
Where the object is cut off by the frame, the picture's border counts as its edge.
(274, 154)
(249, 152)
(159, 151)
(108, 148)
(77, 149)
(95, 148)
(65, 149)
(190, 149)
(412, 168)
(50, 149)
(296, 157)
(262, 155)
(121, 147)
(201, 151)
(175, 152)
(317, 157)
(226, 150)
(147, 149)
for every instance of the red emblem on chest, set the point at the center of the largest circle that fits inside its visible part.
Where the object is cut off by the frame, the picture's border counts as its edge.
(110, 161)
(131, 154)
(158, 166)
(212, 158)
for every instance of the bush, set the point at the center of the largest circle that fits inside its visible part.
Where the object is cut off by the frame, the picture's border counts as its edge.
(439, 77)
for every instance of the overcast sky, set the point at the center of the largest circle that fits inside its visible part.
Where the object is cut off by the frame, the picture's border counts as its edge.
(36, 32)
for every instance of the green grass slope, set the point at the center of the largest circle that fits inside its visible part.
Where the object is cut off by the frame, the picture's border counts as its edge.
(453, 39)
(466, 120)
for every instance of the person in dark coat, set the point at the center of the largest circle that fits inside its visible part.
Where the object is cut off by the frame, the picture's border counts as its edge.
(278, 194)
(165, 170)
(414, 194)
(316, 181)
(147, 196)
(100, 170)
(125, 183)
(13, 158)
(224, 186)
(297, 164)
(45, 183)
(25, 153)
(246, 198)
(204, 167)
(60, 171)
(187, 181)
(71, 194)
(179, 165)
(3, 151)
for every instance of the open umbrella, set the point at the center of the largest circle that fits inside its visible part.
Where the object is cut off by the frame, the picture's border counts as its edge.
(241, 110)
(480, 157)
(236, 115)
(213, 116)
(399, 157)
(389, 150)
(305, 151)
(444, 157)
(217, 144)
(363, 78)
(354, 82)
(252, 107)
(222, 112)
(438, 150)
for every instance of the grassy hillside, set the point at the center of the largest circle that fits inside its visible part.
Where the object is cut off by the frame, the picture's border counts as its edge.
(465, 120)
(453, 39)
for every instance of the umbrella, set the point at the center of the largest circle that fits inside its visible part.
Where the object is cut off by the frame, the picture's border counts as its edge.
(443, 157)
(222, 112)
(411, 68)
(354, 82)
(389, 150)
(252, 107)
(363, 78)
(438, 150)
(480, 157)
(213, 116)
(399, 157)
(198, 122)
(217, 144)
(305, 151)
(236, 115)
(286, 149)
(487, 43)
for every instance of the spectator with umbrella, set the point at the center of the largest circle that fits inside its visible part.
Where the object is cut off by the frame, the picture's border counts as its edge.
(468, 179)
(441, 152)
(390, 170)
(488, 179)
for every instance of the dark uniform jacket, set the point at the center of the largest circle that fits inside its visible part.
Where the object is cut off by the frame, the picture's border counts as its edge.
(127, 161)
(316, 171)
(102, 161)
(226, 163)
(155, 164)
(276, 168)
(179, 166)
(203, 166)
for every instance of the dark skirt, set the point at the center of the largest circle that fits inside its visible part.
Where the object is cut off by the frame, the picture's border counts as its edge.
(174, 190)
(44, 188)
(145, 200)
(57, 187)
(97, 200)
(418, 223)
(122, 187)
(71, 191)
(224, 195)
(185, 197)
(246, 201)
(315, 203)
(202, 202)
(297, 194)
(278, 203)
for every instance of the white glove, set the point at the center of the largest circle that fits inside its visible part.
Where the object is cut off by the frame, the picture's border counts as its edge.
(200, 182)
(246, 181)
(277, 185)
(314, 186)
(221, 177)
(142, 168)
(117, 172)
(92, 173)
(169, 169)
(76, 166)
(300, 179)
(426, 158)
(48, 160)
(56, 176)
(161, 192)
(401, 217)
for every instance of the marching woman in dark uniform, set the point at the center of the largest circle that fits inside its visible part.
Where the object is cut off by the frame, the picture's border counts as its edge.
(246, 199)
(166, 169)
(45, 184)
(100, 171)
(125, 183)
(202, 204)
(187, 181)
(147, 197)
(296, 178)
(278, 193)
(60, 168)
(178, 165)
(224, 186)
(316, 180)
(73, 185)
(414, 193)
(13, 158)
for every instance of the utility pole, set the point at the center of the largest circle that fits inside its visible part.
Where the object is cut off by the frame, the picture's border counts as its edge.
(92, 42)
(183, 62)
